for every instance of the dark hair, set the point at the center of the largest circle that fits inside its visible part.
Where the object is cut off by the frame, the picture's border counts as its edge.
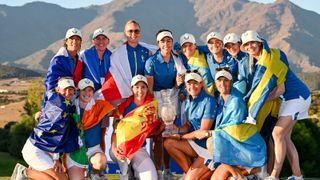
(161, 30)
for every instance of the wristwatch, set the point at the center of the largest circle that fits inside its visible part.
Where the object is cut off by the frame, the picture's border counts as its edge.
(208, 133)
(55, 156)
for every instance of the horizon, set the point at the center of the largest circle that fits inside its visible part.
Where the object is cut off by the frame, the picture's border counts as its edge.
(312, 5)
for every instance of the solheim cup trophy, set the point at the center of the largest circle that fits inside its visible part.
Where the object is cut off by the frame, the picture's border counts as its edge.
(168, 110)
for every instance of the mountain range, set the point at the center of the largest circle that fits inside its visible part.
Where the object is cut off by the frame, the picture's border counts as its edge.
(30, 35)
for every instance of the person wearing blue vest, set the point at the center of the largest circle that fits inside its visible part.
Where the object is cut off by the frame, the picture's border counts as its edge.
(162, 71)
(294, 94)
(55, 133)
(190, 153)
(96, 59)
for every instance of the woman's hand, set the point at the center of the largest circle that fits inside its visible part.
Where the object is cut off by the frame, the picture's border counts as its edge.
(118, 155)
(57, 166)
(200, 134)
(179, 79)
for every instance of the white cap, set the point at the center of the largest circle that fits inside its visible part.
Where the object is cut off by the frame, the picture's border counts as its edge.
(164, 34)
(214, 35)
(187, 38)
(73, 32)
(65, 82)
(250, 36)
(231, 38)
(98, 32)
(193, 76)
(84, 83)
(138, 78)
(223, 73)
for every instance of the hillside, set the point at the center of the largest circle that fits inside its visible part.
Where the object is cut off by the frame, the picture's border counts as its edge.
(14, 72)
(282, 23)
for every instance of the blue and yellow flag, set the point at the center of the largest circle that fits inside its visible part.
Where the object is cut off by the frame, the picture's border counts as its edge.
(270, 72)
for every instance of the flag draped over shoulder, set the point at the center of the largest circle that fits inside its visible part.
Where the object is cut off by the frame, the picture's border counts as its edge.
(94, 112)
(135, 127)
(56, 131)
(118, 79)
(239, 144)
(198, 61)
(270, 72)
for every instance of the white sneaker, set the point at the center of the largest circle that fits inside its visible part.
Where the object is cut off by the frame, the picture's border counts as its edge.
(167, 175)
(98, 177)
(271, 178)
(295, 178)
(183, 176)
(160, 177)
(18, 173)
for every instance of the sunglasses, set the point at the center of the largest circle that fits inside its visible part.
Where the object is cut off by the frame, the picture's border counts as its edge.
(136, 31)
(223, 68)
(193, 71)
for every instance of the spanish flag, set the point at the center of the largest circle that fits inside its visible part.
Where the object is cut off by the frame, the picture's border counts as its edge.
(136, 126)
(271, 71)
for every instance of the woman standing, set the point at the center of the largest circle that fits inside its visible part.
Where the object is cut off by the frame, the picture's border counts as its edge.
(96, 60)
(66, 62)
(273, 78)
(164, 72)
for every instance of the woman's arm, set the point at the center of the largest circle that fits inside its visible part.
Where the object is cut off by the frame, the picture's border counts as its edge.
(150, 80)
(275, 93)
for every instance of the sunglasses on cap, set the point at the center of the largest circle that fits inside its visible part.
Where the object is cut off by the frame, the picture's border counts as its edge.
(193, 71)
(223, 68)
(136, 31)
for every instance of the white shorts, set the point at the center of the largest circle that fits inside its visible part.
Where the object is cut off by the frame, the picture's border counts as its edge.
(143, 165)
(296, 108)
(90, 152)
(36, 158)
(202, 152)
(70, 163)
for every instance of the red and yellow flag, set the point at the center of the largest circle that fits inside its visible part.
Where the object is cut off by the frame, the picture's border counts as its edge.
(135, 127)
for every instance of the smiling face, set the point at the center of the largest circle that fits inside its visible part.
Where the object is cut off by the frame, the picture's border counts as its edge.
(140, 90)
(223, 85)
(233, 48)
(215, 46)
(253, 48)
(67, 93)
(193, 88)
(188, 49)
(73, 44)
(86, 94)
(132, 32)
(165, 45)
(101, 43)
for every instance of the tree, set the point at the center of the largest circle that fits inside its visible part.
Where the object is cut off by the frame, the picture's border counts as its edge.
(20, 131)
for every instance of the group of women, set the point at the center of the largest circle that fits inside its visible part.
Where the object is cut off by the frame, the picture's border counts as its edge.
(236, 94)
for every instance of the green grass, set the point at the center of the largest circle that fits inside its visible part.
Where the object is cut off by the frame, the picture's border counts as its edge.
(7, 164)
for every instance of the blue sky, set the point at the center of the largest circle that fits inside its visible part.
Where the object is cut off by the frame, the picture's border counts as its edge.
(313, 5)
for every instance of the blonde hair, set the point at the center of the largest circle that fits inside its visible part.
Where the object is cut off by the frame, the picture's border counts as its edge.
(251, 58)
